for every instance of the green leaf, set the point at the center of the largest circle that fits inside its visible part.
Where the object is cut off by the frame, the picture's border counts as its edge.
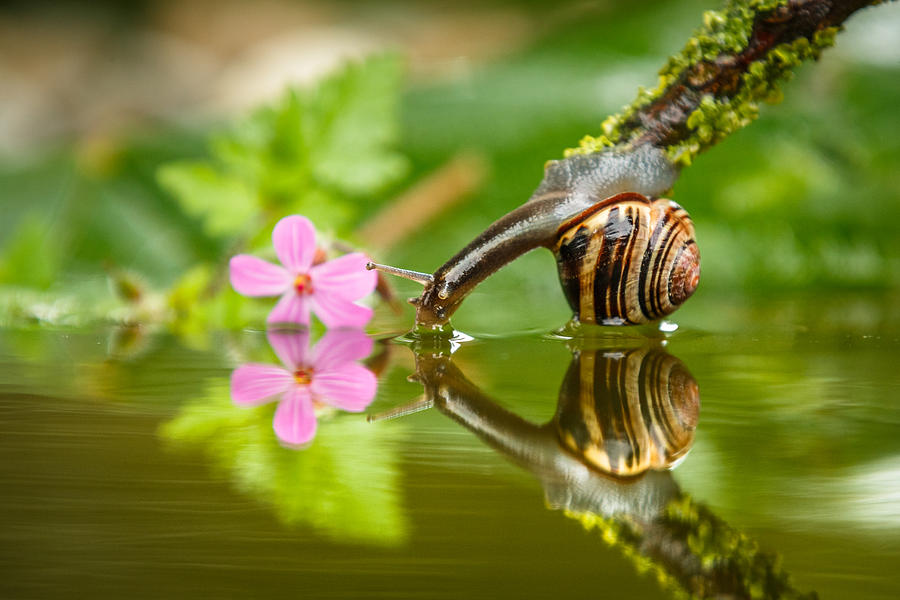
(225, 203)
(317, 151)
(352, 126)
(31, 258)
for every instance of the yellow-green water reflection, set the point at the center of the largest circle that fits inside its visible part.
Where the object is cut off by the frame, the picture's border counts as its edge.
(132, 473)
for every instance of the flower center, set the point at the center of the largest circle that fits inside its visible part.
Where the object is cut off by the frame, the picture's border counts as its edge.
(303, 376)
(303, 284)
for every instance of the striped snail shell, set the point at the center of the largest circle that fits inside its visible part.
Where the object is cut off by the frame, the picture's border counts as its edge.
(627, 260)
(625, 413)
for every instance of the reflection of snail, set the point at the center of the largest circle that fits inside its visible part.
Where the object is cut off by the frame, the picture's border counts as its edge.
(625, 413)
(622, 413)
(623, 256)
(628, 412)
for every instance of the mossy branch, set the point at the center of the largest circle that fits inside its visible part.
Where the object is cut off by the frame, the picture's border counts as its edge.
(735, 60)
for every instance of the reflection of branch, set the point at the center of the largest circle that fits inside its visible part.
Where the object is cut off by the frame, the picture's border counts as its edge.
(689, 549)
(734, 61)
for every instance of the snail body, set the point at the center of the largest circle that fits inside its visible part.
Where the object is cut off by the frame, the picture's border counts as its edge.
(595, 210)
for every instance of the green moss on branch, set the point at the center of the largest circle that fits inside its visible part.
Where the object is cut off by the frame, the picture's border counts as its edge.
(738, 58)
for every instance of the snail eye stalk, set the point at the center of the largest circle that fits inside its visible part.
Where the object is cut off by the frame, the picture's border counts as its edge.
(421, 278)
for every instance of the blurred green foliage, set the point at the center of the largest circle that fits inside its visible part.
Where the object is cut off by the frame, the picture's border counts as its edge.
(804, 199)
(320, 152)
(798, 401)
(323, 152)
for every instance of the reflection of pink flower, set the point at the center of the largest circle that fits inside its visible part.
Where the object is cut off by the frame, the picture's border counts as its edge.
(327, 374)
(328, 289)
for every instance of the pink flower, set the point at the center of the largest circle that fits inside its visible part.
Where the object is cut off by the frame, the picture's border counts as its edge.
(326, 375)
(329, 289)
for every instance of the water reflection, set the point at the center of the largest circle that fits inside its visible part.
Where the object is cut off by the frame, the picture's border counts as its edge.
(345, 485)
(311, 380)
(624, 418)
(627, 412)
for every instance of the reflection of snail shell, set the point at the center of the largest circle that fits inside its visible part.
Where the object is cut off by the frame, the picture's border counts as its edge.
(626, 413)
(627, 260)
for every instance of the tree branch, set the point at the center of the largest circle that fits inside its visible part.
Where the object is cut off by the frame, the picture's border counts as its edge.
(712, 88)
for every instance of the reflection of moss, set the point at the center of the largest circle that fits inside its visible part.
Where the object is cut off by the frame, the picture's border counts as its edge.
(694, 554)
(344, 485)
(625, 534)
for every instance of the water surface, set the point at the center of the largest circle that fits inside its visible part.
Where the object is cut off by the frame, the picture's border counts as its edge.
(127, 471)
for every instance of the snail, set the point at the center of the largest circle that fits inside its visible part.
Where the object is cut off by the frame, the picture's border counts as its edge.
(625, 255)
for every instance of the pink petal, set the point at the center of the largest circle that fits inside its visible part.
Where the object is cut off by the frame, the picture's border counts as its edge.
(295, 418)
(345, 276)
(292, 347)
(335, 311)
(339, 347)
(351, 388)
(294, 239)
(253, 384)
(292, 308)
(252, 276)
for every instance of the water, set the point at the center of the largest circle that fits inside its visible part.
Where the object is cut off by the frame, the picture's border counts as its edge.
(127, 471)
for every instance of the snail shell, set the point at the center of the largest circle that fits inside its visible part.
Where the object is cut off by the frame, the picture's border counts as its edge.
(627, 260)
(625, 413)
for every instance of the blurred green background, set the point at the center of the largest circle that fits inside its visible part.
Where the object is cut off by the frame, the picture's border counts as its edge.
(143, 144)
